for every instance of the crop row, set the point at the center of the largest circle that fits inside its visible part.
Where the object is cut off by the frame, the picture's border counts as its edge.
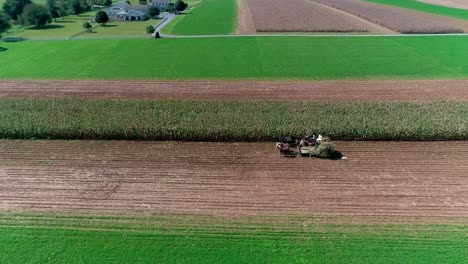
(397, 19)
(300, 16)
(230, 121)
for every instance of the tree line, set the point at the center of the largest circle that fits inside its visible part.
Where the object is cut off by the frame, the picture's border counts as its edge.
(27, 13)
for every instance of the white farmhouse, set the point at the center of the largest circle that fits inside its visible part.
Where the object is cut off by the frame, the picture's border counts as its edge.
(126, 12)
(161, 4)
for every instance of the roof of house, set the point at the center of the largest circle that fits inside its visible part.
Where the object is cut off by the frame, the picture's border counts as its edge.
(131, 13)
(160, 2)
(136, 7)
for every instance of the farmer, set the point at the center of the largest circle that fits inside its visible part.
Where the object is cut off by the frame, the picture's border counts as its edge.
(319, 139)
(313, 139)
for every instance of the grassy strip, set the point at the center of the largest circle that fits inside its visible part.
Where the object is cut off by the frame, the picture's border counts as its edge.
(424, 7)
(229, 121)
(210, 17)
(198, 239)
(238, 58)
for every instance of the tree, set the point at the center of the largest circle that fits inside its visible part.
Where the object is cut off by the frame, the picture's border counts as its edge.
(13, 8)
(107, 2)
(85, 7)
(78, 6)
(101, 18)
(154, 11)
(88, 26)
(4, 24)
(143, 2)
(52, 9)
(150, 29)
(180, 6)
(75, 7)
(62, 8)
(34, 15)
(170, 8)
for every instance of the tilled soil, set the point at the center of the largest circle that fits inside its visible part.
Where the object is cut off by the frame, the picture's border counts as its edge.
(346, 90)
(399, 19)
(302, 16)
(390, 180)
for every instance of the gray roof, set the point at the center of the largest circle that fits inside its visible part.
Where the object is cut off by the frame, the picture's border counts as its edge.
(136, 7)
(160, 2)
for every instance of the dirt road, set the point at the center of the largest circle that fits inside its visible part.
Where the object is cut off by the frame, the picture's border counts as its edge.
(389, 180)
(345, 90)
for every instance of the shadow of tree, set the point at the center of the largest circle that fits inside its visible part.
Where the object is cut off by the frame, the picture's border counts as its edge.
(13, 39)
(3, 49)
(54, 26)
(64, 21)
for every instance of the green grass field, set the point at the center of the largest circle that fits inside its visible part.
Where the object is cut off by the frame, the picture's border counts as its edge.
(122, 29)
(34, 238)
(424, 7)
(209, 17)
(72, 26)
(229, 121)
(239, 58)
(64, 27)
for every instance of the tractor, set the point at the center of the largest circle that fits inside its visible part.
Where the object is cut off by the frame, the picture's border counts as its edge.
(306, 147)
(287, 146)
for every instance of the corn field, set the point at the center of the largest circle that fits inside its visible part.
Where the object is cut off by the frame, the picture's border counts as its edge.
(230, 121)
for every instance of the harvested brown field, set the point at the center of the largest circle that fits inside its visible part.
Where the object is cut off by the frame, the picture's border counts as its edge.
(399, 19)
(301, 16)
(388, 180)
(462, 4)
(375, 90)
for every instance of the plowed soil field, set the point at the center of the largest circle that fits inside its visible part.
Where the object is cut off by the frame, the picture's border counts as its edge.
(399, 19)
(244, 90)
(302, 16)
(389, 180)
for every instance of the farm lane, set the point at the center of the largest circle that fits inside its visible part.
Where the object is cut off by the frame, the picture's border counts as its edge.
(461, 4)
(347, 90)
(391, 180)
(168, 17)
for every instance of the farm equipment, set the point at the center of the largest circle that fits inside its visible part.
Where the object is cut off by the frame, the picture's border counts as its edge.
(287, 146)
(306, 147)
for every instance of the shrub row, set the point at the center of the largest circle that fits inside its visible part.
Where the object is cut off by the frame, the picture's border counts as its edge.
(22, 118)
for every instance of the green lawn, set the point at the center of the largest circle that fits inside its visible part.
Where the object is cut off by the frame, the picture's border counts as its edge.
(199, 239)
(64, 27)
(424, 7)
(238, 58)
(72, 26)
(209, 17)
(122, 29)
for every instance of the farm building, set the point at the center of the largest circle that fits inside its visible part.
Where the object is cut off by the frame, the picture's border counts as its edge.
(161, 4)
(125, 12)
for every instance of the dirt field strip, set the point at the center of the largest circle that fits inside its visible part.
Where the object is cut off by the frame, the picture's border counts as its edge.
(244, 90)
(301, 16)
(244, 17)
(399, 19)
(372, 26)
(395, 180)
(462, 4)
